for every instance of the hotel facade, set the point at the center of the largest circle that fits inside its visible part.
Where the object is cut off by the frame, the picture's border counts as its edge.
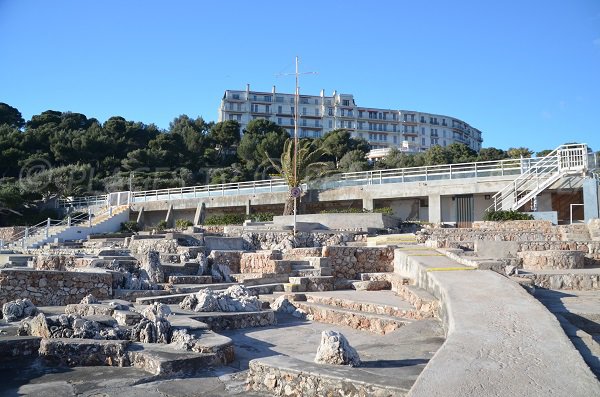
(410, 131)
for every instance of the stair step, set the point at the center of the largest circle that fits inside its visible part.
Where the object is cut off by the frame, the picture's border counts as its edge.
(190, 279)
(364, 321)
(422, 300)
(386, 309)
(371, 285)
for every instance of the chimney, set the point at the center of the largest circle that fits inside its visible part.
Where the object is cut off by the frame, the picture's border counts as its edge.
(247, 87)
(322, 92)
(273, 89)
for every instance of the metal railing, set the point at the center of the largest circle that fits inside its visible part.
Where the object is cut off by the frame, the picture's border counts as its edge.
(570, 155)
(539, 176)
(223, 189)
(85, 201)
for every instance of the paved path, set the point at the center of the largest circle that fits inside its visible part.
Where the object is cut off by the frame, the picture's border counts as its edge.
(500, 340)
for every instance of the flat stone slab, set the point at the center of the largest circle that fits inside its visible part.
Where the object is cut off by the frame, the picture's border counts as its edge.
(495, 339)
(283, 375)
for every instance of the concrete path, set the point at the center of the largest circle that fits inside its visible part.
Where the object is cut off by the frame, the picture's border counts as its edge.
(500, 340)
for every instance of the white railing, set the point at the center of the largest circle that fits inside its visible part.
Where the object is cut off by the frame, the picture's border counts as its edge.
(570, 155)
(85, 201)
(224, 189)
(564, 159)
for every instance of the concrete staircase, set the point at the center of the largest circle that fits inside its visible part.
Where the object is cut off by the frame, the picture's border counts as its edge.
(540, 175)
(78, 228)
(310, 274)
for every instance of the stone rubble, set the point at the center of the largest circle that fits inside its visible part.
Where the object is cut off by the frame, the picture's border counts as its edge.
(154, 327)
(335, 349)
(89, 299)
(18, 309)
(236, 298)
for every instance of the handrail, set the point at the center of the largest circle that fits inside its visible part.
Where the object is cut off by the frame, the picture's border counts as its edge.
(537, 177)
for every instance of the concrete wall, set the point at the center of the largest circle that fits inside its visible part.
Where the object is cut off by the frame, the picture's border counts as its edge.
(350, 221)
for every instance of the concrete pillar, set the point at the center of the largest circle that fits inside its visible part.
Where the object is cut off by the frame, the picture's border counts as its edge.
(249, 204)
(367, 204)
(169, 217)
(200, 214)
(590, 199)
(435, 208)
(507, 204)
(140, 218)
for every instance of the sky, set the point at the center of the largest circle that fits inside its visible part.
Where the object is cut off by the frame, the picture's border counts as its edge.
(526, 73)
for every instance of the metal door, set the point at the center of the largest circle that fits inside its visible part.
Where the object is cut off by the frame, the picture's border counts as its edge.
(464, 210)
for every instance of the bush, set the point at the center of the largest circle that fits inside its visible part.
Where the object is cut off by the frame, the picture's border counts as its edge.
(130, 226)
(384, 210)
(183, 224)
(160, 226)
(262, 217)
(499, 216)
(226, 219)
(342, 211)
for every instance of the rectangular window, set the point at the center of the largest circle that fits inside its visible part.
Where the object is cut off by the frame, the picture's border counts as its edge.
(239, 107)
(350, 113)
(360, 114)
(422, 130)
(291, 121)
(343, 112)
(267, 109)
(304, 122)
(316, 112)
(423, 141)
(255, 108)
(394, 127)
(330, 124)
(279, 109)
(278, 99)
(405, 117)
(330, 111)
(395, 139)
(304, 111)
(267, 98)
(346, 102)
(236, 96)
(422, 119)
(292, 109)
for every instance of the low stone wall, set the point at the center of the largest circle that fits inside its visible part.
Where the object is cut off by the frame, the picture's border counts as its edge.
(259, 262)
(534, 225)
(569, 281)
(552, 260)
(287, 376)
(348, 261)
(237, 320)
(53, 288)
(231, 259)
(52, 262)
(301, 253)
(7, 233)
(143, 245)
(284, 241)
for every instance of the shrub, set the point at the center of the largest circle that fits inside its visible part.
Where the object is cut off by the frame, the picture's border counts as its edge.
(342, 211)
(182, 224)
(226, 219)
(384, 210)
(511, 215)
(162, 225)
(262, 216)
(130, 226)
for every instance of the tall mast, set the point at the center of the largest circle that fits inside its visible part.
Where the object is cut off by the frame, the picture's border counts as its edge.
(296, 104)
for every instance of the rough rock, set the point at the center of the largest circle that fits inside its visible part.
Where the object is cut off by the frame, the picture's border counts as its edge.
(147, 331)
(283, 305)
(156, 311)
(335, 349)
(37, 326)
(206, 301)
(510, 270)
(18, 309)
(221, 273)
(89, 299)
(150, 267)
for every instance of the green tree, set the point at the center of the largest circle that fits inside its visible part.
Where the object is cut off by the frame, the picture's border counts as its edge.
(517, 153)
(437, 155)
(262, 141)
(543, 153)
(10, 116)
(460, 153)
(491, 154)
(338, 142)
(307, 166)
(353, 161)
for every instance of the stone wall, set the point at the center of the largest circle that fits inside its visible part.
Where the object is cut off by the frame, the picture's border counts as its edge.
(53, 288)
(551, 260)
(162, 245)
(263, 262)
(7, 233)
(52, 262)
(535, 225)
(348, 261)
(296, 254)
(231, 259)
(284, 241)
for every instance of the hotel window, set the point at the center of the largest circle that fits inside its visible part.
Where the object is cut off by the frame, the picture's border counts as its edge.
(278, 99)
(330, 111)
(350, 113)
(239, 107)
(279, 109)
(279, 121)
(236, 96)
(316, 112)
(343, 112)
(346, 102)
(304, 111)
(422, 119)
(304, 122)
(360, 114)
(394, 127)
(423, 141)
(292, 110)
(422, 130)
(267, 98)
(291, 121)
(405, 117)
(267, 109)
(330, 124)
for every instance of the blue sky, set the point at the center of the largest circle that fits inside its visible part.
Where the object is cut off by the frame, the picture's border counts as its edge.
(526, 73)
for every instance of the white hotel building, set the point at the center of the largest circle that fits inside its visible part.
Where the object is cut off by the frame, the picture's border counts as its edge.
(382, 128)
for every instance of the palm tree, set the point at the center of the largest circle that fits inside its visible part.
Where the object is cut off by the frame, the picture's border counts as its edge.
(308, 167)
